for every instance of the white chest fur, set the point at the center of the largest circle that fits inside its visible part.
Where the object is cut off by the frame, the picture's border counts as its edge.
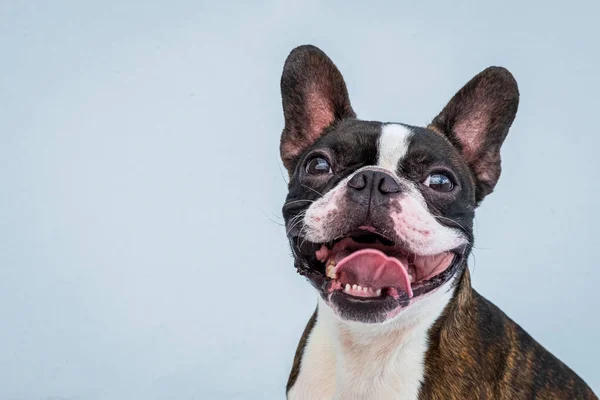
(345, 360)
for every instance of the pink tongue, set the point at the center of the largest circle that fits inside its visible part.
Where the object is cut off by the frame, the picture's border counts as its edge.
(374, 269)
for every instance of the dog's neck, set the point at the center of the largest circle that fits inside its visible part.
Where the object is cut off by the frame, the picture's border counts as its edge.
(372, 360)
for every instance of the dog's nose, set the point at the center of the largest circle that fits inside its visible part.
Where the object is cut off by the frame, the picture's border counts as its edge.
(374, 186)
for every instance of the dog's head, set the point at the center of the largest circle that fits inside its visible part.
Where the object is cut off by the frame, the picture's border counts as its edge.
(380, 215)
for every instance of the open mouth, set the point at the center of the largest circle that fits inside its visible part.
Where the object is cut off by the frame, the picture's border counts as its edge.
(367, 269)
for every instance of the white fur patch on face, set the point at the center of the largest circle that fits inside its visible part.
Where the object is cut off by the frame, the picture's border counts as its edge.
(319, 215)
(420, 231)
(393, 145)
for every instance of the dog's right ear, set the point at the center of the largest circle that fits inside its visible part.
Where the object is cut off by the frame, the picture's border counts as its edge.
(314, 96)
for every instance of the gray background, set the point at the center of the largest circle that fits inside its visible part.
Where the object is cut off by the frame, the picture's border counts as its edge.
(141, 255)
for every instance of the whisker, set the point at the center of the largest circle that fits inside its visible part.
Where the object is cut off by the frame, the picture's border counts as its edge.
(299, 215)
(293, 249)
(298, 201)
(280, 170)
(469, 240)
(292, 225)
(295, 221)
(316, 191)
(450, 220)
(474, 262)
(303, 239)
(270, 217)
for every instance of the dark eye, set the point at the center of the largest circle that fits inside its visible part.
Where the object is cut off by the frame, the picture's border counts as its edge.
(439, 182)
(318, 166)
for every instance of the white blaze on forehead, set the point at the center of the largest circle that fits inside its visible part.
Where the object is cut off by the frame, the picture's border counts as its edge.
(393, 145)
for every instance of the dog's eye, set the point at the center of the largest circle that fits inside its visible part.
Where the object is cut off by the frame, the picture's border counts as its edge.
(318, 166)
(439, 182)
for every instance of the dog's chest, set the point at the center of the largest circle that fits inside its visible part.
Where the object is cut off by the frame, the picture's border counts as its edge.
(351, 366)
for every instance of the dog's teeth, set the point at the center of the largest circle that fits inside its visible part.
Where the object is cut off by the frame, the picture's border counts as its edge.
(378, 292)
(347, 289)
(329, 271)
(412, 279)
(354, 286)
(365, 289)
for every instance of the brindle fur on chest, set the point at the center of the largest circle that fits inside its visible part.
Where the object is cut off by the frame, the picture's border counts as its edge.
(477, 352)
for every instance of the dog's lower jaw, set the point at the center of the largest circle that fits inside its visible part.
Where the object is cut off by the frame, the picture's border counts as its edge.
(345, 359)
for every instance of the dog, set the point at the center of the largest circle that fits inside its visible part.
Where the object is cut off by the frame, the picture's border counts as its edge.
(379, 217)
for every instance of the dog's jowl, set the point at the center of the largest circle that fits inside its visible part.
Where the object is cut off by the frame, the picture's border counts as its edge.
(380, 220)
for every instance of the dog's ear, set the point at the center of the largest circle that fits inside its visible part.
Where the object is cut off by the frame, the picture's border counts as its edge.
(314, 97)
(477, 120)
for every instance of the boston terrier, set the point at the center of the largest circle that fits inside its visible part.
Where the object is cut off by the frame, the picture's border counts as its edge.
(379, 217)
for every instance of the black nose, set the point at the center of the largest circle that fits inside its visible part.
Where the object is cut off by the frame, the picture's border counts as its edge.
(374, 186)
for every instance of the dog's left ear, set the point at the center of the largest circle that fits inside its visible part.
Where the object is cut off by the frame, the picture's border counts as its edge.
(477, 120)
(314, 97)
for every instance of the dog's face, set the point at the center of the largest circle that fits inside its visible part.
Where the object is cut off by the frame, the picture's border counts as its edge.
(380, 215)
